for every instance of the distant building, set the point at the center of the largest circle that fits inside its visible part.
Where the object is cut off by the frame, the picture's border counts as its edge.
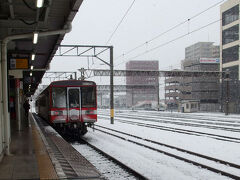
(172, 90)
(136, 94)
(202, 56)
(230, 53)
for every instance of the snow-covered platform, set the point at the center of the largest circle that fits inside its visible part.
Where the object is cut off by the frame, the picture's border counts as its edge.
(39, 152)
(67, 162)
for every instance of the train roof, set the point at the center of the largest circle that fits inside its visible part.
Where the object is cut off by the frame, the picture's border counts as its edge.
(72, 83)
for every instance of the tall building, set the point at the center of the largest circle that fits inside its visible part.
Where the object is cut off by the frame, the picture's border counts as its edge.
(202, 56)
(172, 90)
(138, 94)
(230, 53)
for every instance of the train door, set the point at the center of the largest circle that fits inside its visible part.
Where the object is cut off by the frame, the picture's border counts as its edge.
(74, 103)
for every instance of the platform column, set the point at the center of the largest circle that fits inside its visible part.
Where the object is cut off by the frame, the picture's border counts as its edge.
(6, 117)
(18, 104)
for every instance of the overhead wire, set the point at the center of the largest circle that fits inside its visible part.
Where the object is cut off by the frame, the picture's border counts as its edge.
(170, 29)
(173, 40)
(109, 39)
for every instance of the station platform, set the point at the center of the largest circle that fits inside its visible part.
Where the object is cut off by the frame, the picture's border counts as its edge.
(39, 152)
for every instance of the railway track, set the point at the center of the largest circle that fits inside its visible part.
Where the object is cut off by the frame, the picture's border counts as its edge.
(198, 116)
(182, 131)
(217, 162)
(117, 169)
(208, 123)
(178, 123)
(211, 121)
(207, 117)
(115, 164)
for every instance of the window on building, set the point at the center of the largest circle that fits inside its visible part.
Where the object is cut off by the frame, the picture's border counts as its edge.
(192, 106)
(231, 34)
(230, 54)
(234, 84)
(230, 15)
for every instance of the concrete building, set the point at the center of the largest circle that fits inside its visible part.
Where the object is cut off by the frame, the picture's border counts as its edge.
(230, 53)
(135, 95)
(172, 90)
(202, 56)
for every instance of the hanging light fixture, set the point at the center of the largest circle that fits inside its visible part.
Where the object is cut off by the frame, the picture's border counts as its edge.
(35, 37)
(33, 56)
(39, 3)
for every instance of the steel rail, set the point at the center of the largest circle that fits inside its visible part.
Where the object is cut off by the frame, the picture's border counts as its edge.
(176, 156)
(183, 131)
(186, 124)
(174, 147)
(220, 122)
(124, 166)
(185, 120)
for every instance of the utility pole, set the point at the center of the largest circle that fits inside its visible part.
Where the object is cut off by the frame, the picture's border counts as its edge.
(158, 99)
(111, 86)
(227, 79)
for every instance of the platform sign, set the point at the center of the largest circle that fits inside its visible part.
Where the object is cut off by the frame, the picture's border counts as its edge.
(19, 63)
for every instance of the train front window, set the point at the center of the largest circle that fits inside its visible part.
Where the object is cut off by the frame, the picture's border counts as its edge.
(73, 95)
(59, 97)
(88, 96)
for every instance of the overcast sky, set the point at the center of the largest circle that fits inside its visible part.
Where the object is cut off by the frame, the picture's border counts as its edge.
(96, 21)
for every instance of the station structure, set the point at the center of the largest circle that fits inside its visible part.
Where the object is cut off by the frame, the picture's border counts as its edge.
(30, 34)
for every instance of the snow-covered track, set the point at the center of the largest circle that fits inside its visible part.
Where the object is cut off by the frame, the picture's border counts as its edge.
(180, 131)
(207, 116)
(128, 169)
(182, 158)
(225, 123)
(183, 131)
(160, 120)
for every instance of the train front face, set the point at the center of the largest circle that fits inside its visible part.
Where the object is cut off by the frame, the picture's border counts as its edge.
(73, 106)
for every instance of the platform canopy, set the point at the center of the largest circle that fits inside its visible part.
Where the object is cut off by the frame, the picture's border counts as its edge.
(21, 17)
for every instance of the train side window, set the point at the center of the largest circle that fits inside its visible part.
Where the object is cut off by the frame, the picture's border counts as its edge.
(59, 97)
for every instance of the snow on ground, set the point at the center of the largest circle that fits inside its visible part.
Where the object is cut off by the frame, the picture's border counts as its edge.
(219, 149)
(156, 165)
(107, 168)
(156, 122)
(151, 164)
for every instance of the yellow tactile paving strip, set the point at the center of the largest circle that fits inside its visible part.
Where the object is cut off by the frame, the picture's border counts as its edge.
(45, 166)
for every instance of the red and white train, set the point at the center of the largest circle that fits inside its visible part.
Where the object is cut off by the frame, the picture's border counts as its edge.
(69, 106)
